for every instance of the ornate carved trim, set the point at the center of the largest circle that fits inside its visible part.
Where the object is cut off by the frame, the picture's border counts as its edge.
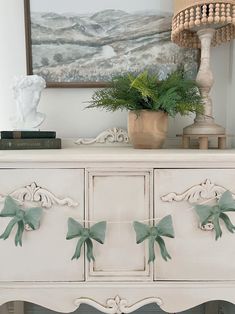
(35, 193)
(114, 135)
(204, 190)
(118, 305)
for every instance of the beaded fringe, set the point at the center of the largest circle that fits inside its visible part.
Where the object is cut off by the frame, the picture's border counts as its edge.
(195, 17)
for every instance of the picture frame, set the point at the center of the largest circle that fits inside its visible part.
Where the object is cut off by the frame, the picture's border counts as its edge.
(86, 49)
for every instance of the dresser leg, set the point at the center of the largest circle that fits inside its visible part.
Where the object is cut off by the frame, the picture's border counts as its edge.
(212, 308)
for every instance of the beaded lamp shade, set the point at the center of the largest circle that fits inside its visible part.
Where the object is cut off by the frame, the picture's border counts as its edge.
(192, 15)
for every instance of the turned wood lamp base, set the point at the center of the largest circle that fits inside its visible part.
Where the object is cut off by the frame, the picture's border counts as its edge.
(203, 140)
(204, 124)
(202, 24)
(204, 127)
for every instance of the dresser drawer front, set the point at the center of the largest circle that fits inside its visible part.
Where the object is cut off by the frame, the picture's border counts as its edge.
(45, 254)
(119, 197)
(195, 253)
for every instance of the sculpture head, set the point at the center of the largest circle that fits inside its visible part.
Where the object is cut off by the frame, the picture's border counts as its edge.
(27, 92)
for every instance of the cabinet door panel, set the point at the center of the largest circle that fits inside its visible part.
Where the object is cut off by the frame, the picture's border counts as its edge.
(45, 254)
(195, 253)
(119, 197)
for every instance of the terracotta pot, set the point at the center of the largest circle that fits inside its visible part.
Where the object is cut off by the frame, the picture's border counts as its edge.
(147, 129)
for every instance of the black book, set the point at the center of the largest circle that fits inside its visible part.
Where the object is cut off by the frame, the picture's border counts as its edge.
(27, 134)
(37, 143)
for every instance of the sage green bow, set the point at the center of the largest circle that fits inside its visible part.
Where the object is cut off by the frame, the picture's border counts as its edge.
(96, 232)
(214, 213)
(21, 217)
(163, 229)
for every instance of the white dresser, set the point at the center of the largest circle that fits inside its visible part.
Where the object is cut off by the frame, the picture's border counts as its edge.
(119, 185)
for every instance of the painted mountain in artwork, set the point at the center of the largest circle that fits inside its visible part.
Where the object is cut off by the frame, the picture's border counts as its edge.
(95, 47)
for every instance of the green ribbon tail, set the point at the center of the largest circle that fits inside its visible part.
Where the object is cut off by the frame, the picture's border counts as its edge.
(9, 228)
(163, 250)
(77, 253)
(227, 222)
(151, 249)
(218, 231)
(89, 253)
(19, 233)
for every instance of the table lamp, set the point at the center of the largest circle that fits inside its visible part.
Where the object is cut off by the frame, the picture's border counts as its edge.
(202, 24)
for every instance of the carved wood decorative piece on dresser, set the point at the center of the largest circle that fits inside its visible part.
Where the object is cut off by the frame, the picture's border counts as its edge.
(119, 185)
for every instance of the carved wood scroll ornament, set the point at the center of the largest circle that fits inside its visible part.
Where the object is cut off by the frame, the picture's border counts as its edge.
(114, 135)
(118, 305)
(205, 190)
(35, 193)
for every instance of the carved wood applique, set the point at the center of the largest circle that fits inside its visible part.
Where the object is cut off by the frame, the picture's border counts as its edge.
(204, 190)
(117, 305)
(114, 135)
(35, 193)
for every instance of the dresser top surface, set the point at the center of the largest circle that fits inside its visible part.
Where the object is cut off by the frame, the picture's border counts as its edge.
(96, 154)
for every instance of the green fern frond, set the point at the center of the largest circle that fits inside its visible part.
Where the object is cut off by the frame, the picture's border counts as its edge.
(175, 94)
(146, 85)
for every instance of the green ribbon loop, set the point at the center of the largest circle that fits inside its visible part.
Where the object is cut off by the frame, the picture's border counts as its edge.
(154, 234)
(31, 217)
(217, 212)
(86, 235)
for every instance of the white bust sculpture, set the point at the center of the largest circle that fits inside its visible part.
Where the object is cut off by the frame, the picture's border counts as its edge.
(27, 92)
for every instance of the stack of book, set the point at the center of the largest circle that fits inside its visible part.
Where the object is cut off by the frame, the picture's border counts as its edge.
(14, 140)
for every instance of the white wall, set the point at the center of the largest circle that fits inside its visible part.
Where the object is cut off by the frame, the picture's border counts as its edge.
(65, 107)
(12, 52)
(231, 93)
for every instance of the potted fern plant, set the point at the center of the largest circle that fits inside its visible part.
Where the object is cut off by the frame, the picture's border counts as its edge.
(150, 101)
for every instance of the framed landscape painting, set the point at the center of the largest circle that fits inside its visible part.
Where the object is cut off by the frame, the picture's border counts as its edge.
(73, 43)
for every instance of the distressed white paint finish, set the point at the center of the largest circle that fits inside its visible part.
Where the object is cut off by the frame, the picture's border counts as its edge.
(46, 254)
(117, 186)
(119, 196)
(195, 253)
(176, 296)
(118, 156)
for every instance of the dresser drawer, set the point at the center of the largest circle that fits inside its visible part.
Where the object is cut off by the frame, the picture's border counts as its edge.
(119, 198)
(195, 253)
(45, 254)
